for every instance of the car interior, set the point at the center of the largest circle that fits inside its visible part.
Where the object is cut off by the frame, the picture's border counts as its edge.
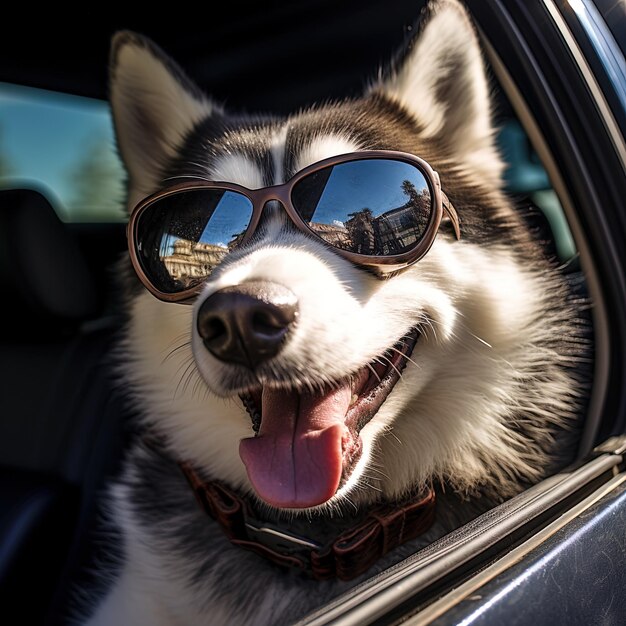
(65, 422)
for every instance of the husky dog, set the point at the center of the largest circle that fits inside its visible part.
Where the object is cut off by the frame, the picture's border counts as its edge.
(471, 346)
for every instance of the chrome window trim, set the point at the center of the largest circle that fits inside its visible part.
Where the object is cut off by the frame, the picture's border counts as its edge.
(592, 84)
(607, 49)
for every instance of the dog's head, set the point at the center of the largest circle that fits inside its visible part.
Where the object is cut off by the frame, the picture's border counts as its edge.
(299, 375)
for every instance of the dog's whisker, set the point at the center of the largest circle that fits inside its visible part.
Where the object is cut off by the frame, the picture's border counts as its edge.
(197, 385)
(378, 471)
(171, 353)
(408, 358)
(349, 501)
(188, 378)
(486, 343)
(185, 364)
(391, 365)
(374, 372)
(392, 434)
(177, 338)
(187, 372)
(378, 360)
(431, 325)
(369, 485)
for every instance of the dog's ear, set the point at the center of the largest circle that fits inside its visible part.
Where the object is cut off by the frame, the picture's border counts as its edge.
(441, 81)
(154, 106)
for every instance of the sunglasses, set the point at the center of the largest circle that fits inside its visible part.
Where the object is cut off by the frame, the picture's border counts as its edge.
(379, 209)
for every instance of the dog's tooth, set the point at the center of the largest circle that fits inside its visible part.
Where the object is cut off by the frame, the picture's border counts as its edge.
(353, 399)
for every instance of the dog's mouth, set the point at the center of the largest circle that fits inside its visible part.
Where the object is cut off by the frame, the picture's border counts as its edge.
(308, 443)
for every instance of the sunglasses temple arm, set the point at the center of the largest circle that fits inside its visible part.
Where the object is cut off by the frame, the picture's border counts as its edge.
(452, 214)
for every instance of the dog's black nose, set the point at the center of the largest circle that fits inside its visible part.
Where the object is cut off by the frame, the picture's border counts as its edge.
(247, 324)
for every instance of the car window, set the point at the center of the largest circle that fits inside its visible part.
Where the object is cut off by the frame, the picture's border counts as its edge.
(63, 146)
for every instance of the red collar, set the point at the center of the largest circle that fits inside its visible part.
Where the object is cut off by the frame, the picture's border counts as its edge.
(344, 556)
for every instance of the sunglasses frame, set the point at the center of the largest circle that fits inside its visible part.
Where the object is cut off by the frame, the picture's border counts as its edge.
(282, 193)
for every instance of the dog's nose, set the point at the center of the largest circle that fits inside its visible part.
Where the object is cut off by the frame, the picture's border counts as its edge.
(247, 324)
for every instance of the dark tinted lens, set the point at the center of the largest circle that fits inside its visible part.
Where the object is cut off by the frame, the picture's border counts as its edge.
(374, 206)
(182, 237)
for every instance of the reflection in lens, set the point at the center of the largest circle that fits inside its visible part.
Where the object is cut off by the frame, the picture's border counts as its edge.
(375, 207)
(188, 262)
(182, 237)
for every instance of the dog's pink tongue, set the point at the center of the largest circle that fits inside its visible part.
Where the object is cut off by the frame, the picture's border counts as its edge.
(296, 459)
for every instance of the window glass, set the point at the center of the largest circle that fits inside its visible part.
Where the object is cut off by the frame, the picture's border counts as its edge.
(63, 146)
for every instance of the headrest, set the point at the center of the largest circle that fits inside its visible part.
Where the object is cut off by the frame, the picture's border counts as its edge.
(43, 274)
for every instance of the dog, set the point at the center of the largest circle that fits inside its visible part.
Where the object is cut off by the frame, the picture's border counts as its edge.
(474, 346)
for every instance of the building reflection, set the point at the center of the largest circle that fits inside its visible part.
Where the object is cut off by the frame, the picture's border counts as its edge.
(391, 232)
(333, 234)
(191, 261)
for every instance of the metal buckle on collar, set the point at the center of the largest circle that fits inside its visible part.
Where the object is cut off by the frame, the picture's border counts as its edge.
(278, 539)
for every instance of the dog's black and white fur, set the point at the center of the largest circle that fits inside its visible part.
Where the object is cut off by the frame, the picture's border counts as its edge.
(480, 409)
